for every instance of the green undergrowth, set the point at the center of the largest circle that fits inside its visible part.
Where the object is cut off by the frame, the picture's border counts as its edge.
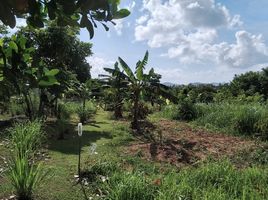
(109, 173)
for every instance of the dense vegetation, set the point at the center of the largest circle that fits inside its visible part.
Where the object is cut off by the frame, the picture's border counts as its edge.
(141, 139)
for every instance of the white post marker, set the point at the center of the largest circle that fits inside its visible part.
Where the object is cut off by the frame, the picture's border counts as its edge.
(80, 129)
(80, 132)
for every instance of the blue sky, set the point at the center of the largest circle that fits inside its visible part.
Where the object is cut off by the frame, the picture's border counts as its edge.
(188, 40)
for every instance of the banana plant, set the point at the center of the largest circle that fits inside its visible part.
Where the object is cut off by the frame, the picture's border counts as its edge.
(140, 84)
(115, 83)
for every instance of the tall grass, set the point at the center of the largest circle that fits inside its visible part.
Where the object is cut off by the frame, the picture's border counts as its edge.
(24, 174)
(242, 119)
(212, 180)
(218, 180)
(131, 186)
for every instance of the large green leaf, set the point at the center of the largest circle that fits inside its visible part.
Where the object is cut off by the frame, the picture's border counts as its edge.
(1, 42)
(52, 72)
(48, 81)
(121, 14)
(13, 46)
(127, 69)
(141, 66)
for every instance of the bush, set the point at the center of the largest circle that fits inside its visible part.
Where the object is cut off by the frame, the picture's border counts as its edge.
(245, 120)
(170, 112)
(186, 111)
(85, 113)
(64, 112)
(26, 138)
(262, 125)
(24, 174)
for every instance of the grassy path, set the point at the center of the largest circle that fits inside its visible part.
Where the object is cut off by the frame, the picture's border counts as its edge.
(63, 158)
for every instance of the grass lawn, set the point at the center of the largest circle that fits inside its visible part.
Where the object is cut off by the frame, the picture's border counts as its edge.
(122, 169)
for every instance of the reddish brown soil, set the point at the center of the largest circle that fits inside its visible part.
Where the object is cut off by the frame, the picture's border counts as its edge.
(182, 145)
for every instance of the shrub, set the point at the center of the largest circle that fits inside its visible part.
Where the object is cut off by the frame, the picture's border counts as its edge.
(186, 111)
(262, 125)
(84, 114)
(24, 174)
(64, 112)
(246, 119)
(25, 177)
(170, 112)
(26, 138)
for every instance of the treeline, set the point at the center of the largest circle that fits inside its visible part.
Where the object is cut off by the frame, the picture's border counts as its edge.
(248, 87)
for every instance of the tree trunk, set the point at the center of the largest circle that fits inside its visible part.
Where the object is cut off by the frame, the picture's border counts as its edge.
(28, 107)
(118, 112)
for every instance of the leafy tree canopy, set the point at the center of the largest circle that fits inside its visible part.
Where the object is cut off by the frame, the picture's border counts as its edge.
(76, 13)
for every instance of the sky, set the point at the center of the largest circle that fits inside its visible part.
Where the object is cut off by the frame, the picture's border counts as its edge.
(188, 40)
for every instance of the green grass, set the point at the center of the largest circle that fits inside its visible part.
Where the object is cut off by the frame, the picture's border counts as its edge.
(130, 177)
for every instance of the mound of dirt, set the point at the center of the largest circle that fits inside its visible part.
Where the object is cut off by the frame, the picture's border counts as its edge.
(182, 145)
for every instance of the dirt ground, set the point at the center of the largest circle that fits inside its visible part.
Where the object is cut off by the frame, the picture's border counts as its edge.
(179, 144)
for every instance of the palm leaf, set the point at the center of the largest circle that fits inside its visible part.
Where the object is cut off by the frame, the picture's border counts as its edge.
(141, 66)
(127, 69)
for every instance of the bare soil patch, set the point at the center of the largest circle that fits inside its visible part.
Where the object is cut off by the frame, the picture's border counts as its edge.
(182, 145)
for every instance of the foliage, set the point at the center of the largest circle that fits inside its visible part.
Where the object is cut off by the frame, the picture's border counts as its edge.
(76, 13)
(130, 186)
(16, 67)
(25, 177)
(186, 111)
(235, 118)
(24, 174)
(84, 113)
(26, 138)
(262, 124)
(140, 84)
(116, 89)
(245, 120)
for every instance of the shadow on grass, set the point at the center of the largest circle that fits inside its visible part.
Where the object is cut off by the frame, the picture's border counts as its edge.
(70, 144)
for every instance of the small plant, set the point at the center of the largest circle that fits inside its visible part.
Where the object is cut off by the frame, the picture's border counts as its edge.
(83, 114)
(24, 174)
(25, 177)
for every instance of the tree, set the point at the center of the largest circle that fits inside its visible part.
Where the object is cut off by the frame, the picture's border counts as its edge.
(248, 83)
(139, 83)
(17, 68)
(76, 13)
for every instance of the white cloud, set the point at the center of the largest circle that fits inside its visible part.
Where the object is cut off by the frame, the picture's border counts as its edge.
(98, 64)
(189, 31)
(142, 19)
(248, 51)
